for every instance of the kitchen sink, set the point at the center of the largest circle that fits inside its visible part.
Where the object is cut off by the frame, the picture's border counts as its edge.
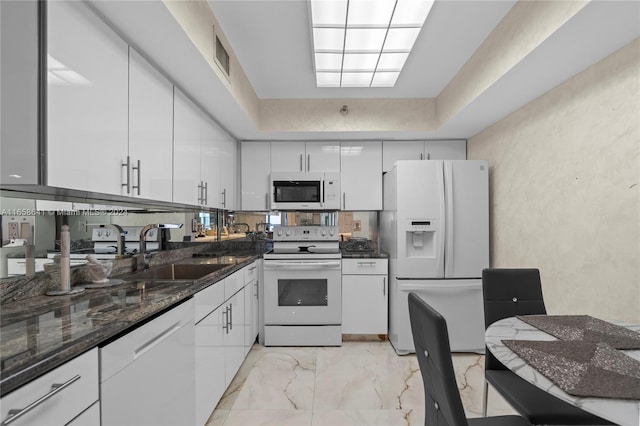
(174, 271)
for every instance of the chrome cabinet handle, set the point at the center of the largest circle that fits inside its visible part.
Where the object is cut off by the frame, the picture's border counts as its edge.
(137, 168)
(366, 263)
(225, 317)
(266, 200)
(344, 201)
(224, 197)
(421, 156)
(206, 193)
(15, 414)
(127, 184)
(253, 268)
(230, 316)
(256, 288)
(384, 286)
(301, 163)
(308, 162)
(200, 198)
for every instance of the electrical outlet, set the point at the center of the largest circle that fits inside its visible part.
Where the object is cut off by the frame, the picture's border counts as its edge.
(13, 230)
(82, 226)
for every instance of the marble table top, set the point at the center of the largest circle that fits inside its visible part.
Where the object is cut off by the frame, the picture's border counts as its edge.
(43, 332)
(623, 412)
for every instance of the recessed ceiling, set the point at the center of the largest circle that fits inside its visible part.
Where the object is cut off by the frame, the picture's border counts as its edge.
(272, 41)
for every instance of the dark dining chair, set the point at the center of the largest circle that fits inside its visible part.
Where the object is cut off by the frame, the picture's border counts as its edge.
(443, 406)
(507, 293)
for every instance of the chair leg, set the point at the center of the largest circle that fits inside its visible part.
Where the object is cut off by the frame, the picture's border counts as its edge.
(485, 397)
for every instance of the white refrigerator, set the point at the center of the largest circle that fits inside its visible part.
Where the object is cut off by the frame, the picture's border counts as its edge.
(435, 227)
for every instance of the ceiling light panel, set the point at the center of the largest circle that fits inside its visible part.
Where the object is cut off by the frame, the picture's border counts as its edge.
(356, 79)
(370, 13)
(328, 61)
(364, 43)
(364, 39)
(360, 61)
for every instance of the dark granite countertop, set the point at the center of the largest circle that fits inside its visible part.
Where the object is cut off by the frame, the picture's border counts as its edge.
(364, 255)
(43, 332)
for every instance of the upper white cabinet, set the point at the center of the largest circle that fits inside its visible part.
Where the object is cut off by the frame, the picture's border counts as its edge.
(187, 184)
(210, 154)
(87, 100)
(423, 150)
(305, 156)
(150, 131)
(255, 167)
(229, 173)
(361, 175)
(204, 158)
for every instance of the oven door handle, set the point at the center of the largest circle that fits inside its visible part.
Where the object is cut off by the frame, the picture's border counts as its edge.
(315, 265)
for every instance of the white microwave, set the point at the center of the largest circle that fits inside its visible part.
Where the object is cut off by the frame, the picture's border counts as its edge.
(305, 191)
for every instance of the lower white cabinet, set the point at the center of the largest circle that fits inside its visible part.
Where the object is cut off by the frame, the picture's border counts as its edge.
(223, 335)
(147, 375)
(89, 417)
(210, 361)
(61, 394)
(364, 296)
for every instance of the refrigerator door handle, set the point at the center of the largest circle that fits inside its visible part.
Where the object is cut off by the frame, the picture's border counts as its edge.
(448, 187)
(441, 231)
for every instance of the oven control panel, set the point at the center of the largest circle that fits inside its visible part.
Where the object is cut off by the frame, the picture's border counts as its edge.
(305, 233)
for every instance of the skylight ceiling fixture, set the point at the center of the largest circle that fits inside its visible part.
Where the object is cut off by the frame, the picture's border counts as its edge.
(364, 43)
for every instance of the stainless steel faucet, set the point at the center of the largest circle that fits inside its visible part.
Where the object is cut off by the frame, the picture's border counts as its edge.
(143, 239)
(119, 231)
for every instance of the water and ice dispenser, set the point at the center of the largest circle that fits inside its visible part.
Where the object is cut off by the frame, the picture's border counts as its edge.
(420, 238)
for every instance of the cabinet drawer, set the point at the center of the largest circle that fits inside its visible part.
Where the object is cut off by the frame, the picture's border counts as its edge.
(233, 283)
(208, 300)
(364, 266)
(250, 272)
(122, 352)
(77, 385)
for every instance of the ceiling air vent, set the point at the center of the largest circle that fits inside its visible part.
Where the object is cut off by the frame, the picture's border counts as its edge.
(222, 56)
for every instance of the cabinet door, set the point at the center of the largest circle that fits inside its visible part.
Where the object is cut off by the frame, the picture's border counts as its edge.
(255, 167)
(210, 363)
(210, 157)
(86, 100)
(90, 417)
(255, 306)
(229, 171)
(361, 175)
(401, 150)
(249, 294)
(445, 150)
(322, 156)
(364, 304)
(186, 150)
(234, 339)
(150, 130)
(288, 157)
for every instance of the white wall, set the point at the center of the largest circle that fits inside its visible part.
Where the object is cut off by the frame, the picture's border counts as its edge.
(565, 190)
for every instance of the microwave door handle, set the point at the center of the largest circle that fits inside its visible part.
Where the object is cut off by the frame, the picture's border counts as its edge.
(322, 195)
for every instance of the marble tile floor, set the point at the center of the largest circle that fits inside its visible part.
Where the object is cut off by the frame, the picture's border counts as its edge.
(359, 383)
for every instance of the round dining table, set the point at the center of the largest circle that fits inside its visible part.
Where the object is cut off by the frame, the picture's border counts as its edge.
(624, 412)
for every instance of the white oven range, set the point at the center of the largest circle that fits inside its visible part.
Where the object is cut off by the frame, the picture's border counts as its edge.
(303, 287)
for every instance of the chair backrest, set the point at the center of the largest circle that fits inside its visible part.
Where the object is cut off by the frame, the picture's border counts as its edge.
(431, 339)
(507, 293)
